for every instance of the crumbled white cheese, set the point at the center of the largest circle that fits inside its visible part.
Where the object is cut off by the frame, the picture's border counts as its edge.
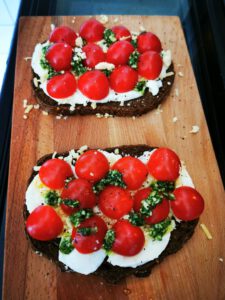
(166, 57)
(82, 149)
(36, 106)
(73, 20)
(25, 117)
(24, 103)
(195, 129)
(58, 117)
(116, 151)
(28, 108)
(52, 27)
(79, 54)
(168, 74)
(27, 58)
(206, 231)
(159, 109)
(180, 74)
(93, 105)
(103, 45)
(179, 65)
(103, 19)
(36, 168)
(133, 118)
(65, 118)
(142, 28)
(54, 154)
(45, 113)
(35, 81)
(169, 83)
(175, 119)
(122, 103)
(115, 20)
(72, 107)
(176, 92)
(79, 42)
(99, 115)
(104, 66)
(106, 115)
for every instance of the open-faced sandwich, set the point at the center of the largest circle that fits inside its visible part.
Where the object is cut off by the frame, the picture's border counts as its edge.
(112, 212)
(101, 70)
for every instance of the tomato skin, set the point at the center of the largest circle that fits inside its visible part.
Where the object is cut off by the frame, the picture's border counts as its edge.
(54, 172)
(188, 204)
(115, 202)
(44, 224)
(62, 86)
(92, 165)
(164, 164)
(94, 55)
(121, 31)
(80, 190)
(93, 242)
(159, 213)
(148, 41)
(63, 34)
(94, 85)
(123, 79)
(150, 65)
(133, 170)
(92, 30)
(129, 239)
(59, 56)
(119, 52)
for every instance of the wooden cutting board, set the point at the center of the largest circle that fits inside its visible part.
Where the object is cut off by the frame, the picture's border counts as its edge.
(195, 272)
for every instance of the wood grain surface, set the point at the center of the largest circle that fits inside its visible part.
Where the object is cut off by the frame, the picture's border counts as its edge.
(195, 272)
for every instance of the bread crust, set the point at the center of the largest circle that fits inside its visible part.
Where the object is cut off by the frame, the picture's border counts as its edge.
(113, 274)
(134, 107)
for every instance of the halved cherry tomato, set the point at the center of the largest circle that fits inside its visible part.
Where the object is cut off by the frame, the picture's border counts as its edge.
(59, 56)
(150, 65)
(119, 52)
(92, 165)
(115, 202)
(129, 239)
(188, 204)
(159, 213)
(54, 172)
(133, 170)
(62, 86)
(94, 85)
(92, 242)
(164, 164)
(148, 41)
(44, 224)
(121, 32)
(80, 190)
(63, 34)
(92, 30)
(123, 79)
(94, 55)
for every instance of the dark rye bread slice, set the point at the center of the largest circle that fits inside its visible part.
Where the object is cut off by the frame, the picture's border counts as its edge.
(114, 274)
(135, 107)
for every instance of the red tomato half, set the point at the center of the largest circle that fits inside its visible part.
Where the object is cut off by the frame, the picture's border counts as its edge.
(92, 30)
(94, 85)
(44, 224)
(123, 79)
(121, 32)
(54, 172)
(94, 55)
(63, 34)
(62, 86)
(148, 41)
(150, 65)
(119, 52)
(59, 56)
(129, 239)
(133, 170)
(92, 165)
(188, 204)
(115, 202)
(164, 164)
(92, 242)
(159, 213)
(80, 190)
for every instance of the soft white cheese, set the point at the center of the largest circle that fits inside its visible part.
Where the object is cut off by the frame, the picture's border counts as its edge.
(154, 86)
(111, 157)
(35, 194)
(35, 62)
(151, 250)
(104, 66)
(83, 263)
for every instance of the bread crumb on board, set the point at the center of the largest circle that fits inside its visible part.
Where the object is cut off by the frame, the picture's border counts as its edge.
(126, 291)
(142, 28)
(195, 129)
(52, 26)
(27, 58)
(206, 231)
(220, 259)
(45, 113)
(103, 19)
(175, 119)
(180, 74)
(159, 109)
(176, 92)
(116, 20)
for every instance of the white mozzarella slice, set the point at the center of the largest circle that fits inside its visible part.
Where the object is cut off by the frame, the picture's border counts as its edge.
(83, 263)
(152, 249)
